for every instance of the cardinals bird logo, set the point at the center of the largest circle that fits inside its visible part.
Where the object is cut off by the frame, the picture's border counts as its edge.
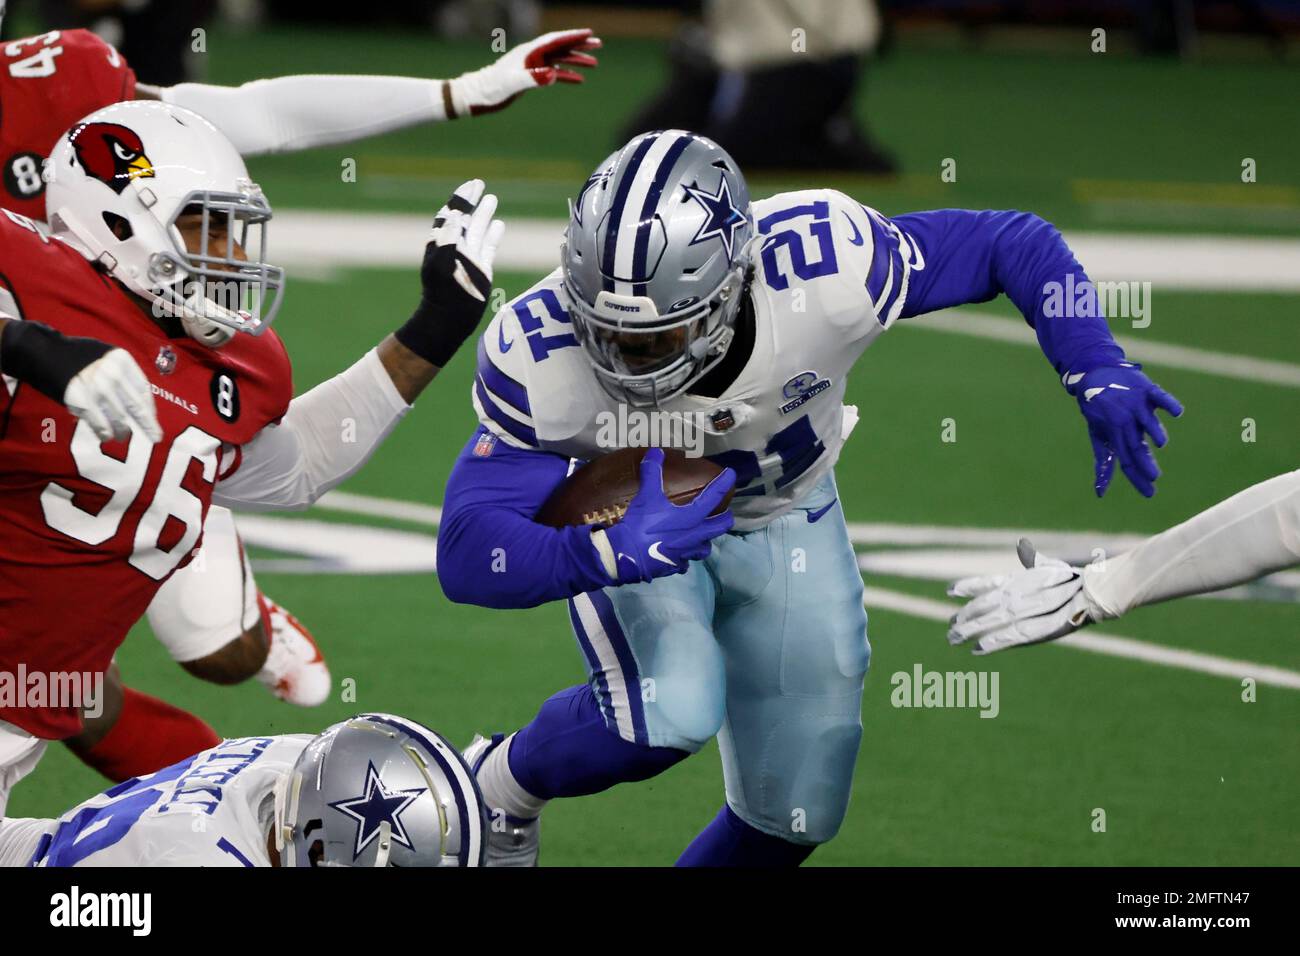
(111, 153)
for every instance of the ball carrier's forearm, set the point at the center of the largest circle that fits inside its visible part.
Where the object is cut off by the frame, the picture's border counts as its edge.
(1249, 535)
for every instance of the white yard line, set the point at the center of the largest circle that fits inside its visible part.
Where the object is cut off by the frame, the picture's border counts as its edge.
(1109, 644)
(1163, 354)
(315, 243)
(895, 534)
(1207, 262)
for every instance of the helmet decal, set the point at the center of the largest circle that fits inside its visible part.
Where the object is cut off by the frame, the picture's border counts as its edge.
(723, 219)
(111, 153)
(375, 806)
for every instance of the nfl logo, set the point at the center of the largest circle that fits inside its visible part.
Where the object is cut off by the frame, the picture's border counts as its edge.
(722, 419)
(166, 360)
(486, 442)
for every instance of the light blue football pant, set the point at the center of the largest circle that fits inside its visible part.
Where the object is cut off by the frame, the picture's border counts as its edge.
(763, 644)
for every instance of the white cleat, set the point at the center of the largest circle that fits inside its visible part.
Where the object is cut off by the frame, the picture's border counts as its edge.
(510, 842)
(294, 671)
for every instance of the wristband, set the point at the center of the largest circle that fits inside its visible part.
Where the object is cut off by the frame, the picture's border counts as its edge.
(45, 359)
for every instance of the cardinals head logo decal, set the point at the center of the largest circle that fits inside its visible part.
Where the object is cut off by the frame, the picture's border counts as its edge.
(111, 153)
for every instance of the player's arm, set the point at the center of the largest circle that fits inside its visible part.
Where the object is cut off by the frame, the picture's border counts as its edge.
(492, 553)
(328, 433)
(1253, 533)
(299, 112)
(962, 256)
(94, 381)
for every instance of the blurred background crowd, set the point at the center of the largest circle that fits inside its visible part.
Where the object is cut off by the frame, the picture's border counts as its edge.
(772, 80)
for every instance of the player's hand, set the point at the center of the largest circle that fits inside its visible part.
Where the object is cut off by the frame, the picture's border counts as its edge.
(456, 275)
(113, 397)
(658, 538)
(1041, 603)
(93, 380)
(1119, 404)
(540, 62)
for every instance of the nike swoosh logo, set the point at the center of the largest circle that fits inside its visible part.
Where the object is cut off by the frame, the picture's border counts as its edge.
(501, 337)
(856, 238)
(658, 555)
(815, 516)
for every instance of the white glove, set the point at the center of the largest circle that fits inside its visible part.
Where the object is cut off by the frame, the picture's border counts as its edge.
(538, 62)
(112, 396)
(1041, 603)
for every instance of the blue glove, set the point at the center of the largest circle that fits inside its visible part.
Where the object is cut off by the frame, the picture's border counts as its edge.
(656, 537)
(1120, 403)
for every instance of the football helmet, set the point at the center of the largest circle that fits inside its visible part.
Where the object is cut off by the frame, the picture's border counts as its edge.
(656, 260)
(379, 790)
(120, 181)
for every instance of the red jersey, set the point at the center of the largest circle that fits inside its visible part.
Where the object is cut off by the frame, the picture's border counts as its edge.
(89, 531)
(47, 83)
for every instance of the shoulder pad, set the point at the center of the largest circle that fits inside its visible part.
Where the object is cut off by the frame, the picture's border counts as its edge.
(530, 383)
(815, 233)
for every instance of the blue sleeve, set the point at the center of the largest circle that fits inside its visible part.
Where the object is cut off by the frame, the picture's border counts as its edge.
(971, 256)
(490, 551)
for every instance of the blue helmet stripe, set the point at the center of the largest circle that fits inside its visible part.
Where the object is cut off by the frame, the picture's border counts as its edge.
(616, 210)
(643, 230)
(471, 825)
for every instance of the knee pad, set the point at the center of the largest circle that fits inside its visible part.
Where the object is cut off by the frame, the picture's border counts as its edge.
(799, 787)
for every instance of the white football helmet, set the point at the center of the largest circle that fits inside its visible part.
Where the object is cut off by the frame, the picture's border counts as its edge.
(119, 181)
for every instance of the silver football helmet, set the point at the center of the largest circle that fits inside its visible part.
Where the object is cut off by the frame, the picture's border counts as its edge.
(379, 790)
(656, 259)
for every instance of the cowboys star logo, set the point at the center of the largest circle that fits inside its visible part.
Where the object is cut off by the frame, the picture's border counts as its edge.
(111, 153)
(376, 806)
(723, 217)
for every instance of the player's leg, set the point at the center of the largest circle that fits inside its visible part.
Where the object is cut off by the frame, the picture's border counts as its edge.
(654, 696)
(792, 628)
(127, 733)
(216, 624)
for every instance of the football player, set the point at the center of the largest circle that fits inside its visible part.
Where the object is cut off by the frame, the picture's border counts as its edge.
(1251, 534)
(376, 790)
(211, 615)
(157, 248)
(675, 295)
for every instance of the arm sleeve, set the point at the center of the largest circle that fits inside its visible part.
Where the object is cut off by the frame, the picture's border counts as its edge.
(1253, 533)
(490, 551)
(299, 112)
(971, 256)
(324, 437)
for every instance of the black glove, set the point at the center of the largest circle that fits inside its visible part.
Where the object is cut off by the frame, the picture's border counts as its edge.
(456, 274)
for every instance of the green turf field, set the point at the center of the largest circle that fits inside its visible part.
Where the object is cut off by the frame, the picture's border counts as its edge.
(1186, 772)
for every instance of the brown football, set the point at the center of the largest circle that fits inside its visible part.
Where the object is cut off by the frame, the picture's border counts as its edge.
(598, 493)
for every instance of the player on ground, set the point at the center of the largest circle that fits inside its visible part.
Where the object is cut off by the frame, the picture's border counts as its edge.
(376, 790)
(158, 238)
(1251, 534)
(211, 616)
(675, 296)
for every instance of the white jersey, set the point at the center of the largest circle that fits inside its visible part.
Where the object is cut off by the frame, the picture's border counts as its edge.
(215, 809)
(830, 277)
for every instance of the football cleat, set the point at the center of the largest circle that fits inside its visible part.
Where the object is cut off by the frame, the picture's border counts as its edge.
(295, 671)
(510, 842)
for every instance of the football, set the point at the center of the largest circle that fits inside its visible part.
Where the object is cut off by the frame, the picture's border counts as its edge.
(598, 493)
